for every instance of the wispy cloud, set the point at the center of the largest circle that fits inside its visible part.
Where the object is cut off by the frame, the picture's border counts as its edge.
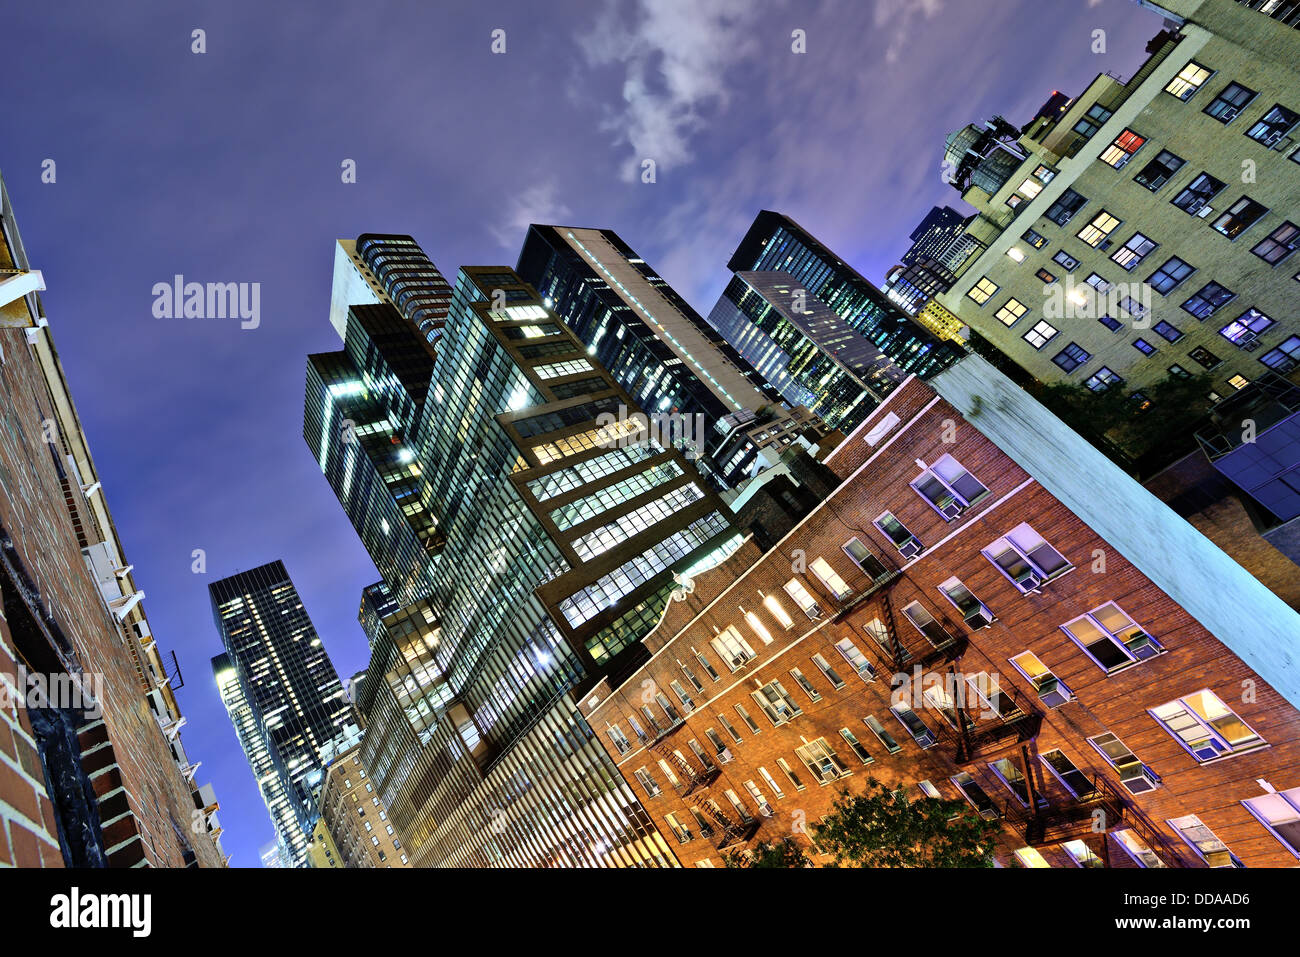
(899, 18)
(536, 204)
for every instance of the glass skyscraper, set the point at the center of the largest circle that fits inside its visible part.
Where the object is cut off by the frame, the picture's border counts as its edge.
(527, 527)
(777, 242)
(804, 348)
(281, 691)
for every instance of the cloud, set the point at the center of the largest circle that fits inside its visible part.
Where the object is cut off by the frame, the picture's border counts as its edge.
(900, 16)
(674, 56)
(536, 204)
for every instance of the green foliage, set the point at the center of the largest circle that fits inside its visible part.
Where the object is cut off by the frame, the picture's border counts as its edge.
(881, 828)
(783, 853)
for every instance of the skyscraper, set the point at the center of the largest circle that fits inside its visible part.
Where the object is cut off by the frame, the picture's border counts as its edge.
(659, 348)
(803, 348)
(527, 522)
(283, 694)
(777, 242)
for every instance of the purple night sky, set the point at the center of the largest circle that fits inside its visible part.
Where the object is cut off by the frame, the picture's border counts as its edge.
(225, 167)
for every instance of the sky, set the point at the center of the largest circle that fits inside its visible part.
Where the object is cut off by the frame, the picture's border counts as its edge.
(227, 166)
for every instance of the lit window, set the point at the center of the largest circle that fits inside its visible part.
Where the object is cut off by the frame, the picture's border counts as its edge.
(1202, 840)
(1122, 149)
(830, 578)
(1082, 854)
(758, 627)
(1206, 727)
(948, 487)
(1040, 334)
(856, 659)
(1280, 813)
(983, 290)
(803, 598)
(777, 611)
(1026, 559)
(1012, 310)
(821, 761)
(1137, 849)
(1100, 226)
(1136, 777)
(1239, 382)
(1134, 251)
(1030, 857)
(1240, 216)
(1189, 79)
(1051, 690)
(733, 648)
(1246, 328)
(1111, 638)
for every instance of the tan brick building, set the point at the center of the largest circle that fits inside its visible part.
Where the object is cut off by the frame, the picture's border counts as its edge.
(109, 739)
(354, 818)
(1059, 643)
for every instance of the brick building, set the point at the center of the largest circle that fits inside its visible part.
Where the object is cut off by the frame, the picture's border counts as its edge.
(92, 768)
(985, 608)
(354, 819)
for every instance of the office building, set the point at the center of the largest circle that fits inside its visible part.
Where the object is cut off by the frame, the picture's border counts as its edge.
(1146, 233)
(281, 691)
(93, 769)
(777, 242)
(989, 611)
(662, 351)
(803, 348)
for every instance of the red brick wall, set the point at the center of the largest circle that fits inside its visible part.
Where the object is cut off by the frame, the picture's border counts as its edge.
(1118, 702)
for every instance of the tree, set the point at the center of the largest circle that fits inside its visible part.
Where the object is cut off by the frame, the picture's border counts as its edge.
(882, 828)
(783, 853)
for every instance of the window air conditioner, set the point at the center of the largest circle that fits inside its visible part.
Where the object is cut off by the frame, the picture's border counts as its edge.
(1205, 211)
(1136, 778)
(910, 548)
(979, 618)
(1052, 693)
(1229, 114)
(1030, 581)
(1142, 646)
(952, 510)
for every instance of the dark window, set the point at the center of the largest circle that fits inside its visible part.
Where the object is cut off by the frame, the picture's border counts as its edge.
(1273, 125)
(1045, 276)
(1034, 238)
(1165, 279)
(1092, 121)
(1063, 210)
(1178, 372)
(1102, 379)
(1279, 244)
(1231, 101)
(1071, 357)
(1240, 216)
(1159, 171)
(1144, 347)
(1065, 260)
(1205, 357)
(1197, 193)
(1209, 300)
(1285, 357)
(1111, 323)
(1166, 331)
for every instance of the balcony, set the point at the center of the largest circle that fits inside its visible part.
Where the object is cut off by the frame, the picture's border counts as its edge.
(737, 835)
(988, 737)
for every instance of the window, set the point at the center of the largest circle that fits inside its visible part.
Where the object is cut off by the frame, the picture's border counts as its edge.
(1159, 171)
(1240, 216)
(877, 631)
(1065, 771)
(863, 557)
(917, 728)
(1231, 100)
(723, 752)
(1136, 777)
(825, 668)
(1189, 79)
(729, 728)
(1012, 310)
(733, 648)
(1205, 357)
(1280, 813)
(1137, 849)
(1134, 251)
(974, 612)
(1144, 347)
(907, 544)
(1239, 382)
(878, 729)
(1279, 244)
(776, 703)
(1167, 278)
(1285, 357)
(1202, 840)
(669, 710)
(1102, 379)
(1047, 277)
(833, 582)
(1111, 638)
(1167, 331)
(1030, 857)
(759, 800)
(1209, 300)
(1065, 260)
(1043, 173)
(636, 727)
(1092, 121)
(1082, 854)
(1026, 559)
(1206, 727)
(1178, 372)
(745, 717)
(976, 795)
(685, 699)
(982, 291)
(1041, 334)
(784, 765)
(1071, 357)
(1111, 323)
(1009, 773)
(928, 790)
(690, 676)
(647, 781)
(856, 746)
(1063, 210)
(948, 487)
(1098, 228)
(1273, 125)
(1034, 238)
(1197, 193)
(1030, 188)
(1122, 149)
(926, 624)
(706, 665)
(680, 830)
(1098, 282)
(822, 763)
(1245, 329)
(1051, 690)
(771, 783)
(777, 611)
(856, 659)
(794, 588)
(621, 744)
(802, 681)
(668, 774)
(758, 627)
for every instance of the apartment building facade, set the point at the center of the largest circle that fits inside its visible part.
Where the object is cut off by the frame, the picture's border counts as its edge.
(984, 609)
(360, 833)
(1147, 231)
(93, 769)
